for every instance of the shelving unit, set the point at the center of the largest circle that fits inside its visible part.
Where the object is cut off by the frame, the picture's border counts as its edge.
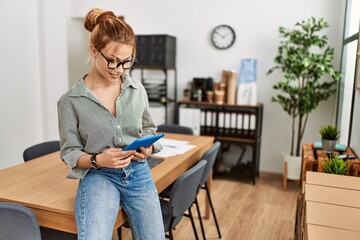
(156, 60)
(235, 124)
(158, 87)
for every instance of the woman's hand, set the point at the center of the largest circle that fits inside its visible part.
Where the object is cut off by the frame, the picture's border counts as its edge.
(145, 153)
(115, 158)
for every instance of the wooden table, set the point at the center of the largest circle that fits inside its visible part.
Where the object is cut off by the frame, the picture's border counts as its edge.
(41, 184)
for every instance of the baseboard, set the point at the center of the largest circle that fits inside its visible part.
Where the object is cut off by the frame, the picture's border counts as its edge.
(270, 175)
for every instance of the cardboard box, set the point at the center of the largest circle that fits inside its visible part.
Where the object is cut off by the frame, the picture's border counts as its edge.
(332, 208)
(329, 233)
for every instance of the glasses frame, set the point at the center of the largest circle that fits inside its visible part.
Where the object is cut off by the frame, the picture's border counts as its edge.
(118, 62)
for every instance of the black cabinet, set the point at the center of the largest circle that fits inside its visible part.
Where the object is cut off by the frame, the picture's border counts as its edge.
(155, 61)
(156, 51)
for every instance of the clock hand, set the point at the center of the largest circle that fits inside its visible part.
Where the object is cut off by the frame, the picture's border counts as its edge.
(226, 34)
(216, 33)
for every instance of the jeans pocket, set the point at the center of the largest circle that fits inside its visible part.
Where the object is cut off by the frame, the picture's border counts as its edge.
(140, 167)
(142, 161)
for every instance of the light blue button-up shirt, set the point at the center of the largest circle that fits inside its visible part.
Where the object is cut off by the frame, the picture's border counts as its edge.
(86, 126)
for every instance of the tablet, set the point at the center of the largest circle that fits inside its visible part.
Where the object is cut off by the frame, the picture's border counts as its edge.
(143, 142)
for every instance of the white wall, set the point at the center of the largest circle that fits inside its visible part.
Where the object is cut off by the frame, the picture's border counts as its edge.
(33, 73)
(20, 98)
(256, 24)
(54, 65)
(58, 33)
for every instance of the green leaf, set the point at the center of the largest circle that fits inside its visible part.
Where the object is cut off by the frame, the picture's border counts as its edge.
(330, 132)
(304, 57)
(335, 166)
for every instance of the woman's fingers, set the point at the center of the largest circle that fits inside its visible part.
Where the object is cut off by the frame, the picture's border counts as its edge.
(145, 153)
(123, 162)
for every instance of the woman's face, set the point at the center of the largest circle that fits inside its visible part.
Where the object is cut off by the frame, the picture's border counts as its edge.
(113, 60)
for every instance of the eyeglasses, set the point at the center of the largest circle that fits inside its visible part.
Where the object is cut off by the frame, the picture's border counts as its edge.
(113, 64)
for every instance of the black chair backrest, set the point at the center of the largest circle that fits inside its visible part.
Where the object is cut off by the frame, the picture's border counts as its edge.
(210, 156)
(174, 128)
(185, 189)
(18, 222)
(41, 149)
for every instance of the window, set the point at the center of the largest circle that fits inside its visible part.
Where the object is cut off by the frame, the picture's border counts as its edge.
(346, 92)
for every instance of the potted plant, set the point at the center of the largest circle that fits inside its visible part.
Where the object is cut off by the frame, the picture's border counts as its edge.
(303, 57)
(329, 136)
(335, 166)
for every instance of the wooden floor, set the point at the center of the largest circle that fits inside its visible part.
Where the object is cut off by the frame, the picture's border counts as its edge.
(245, 211)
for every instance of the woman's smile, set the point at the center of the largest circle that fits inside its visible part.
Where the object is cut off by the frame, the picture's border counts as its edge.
(115, 75)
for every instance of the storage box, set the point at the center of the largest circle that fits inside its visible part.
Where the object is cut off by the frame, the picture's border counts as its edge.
(161, 58)
(156, 50)
(142, 50)
(332, 208)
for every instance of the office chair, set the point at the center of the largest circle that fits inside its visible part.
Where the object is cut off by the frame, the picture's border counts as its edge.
(210, 156)
(174, 128)
(181, 198)
(41, 149)
(18, 222)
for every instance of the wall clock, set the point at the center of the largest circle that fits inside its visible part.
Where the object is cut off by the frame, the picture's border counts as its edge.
(223, 37)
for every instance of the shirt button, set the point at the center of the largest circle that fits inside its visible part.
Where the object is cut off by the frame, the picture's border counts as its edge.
(118, 127)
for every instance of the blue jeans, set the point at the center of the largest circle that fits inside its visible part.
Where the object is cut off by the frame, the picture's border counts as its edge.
(101, 192)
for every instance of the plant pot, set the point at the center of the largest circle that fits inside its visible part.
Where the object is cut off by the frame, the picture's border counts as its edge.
(293, 166)
(328, 146)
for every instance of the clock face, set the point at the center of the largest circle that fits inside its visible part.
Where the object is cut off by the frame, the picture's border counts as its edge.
(223, 37)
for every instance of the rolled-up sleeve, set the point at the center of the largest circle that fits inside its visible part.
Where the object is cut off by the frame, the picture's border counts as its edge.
(71, 143)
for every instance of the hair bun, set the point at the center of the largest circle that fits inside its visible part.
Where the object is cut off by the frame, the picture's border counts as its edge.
(105, 15)
(96, 16)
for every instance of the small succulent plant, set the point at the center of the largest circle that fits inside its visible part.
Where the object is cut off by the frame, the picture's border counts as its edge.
(335, 165)
(329, 132)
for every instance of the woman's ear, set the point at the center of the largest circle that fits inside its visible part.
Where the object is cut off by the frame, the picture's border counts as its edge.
(92, 50)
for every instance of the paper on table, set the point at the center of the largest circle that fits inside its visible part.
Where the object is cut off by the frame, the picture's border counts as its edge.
(171, 142)
(173, 147)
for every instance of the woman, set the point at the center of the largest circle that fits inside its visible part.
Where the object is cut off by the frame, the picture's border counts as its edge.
(105, 111)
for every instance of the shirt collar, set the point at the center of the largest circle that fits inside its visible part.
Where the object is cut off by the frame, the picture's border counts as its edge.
(80, 89)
